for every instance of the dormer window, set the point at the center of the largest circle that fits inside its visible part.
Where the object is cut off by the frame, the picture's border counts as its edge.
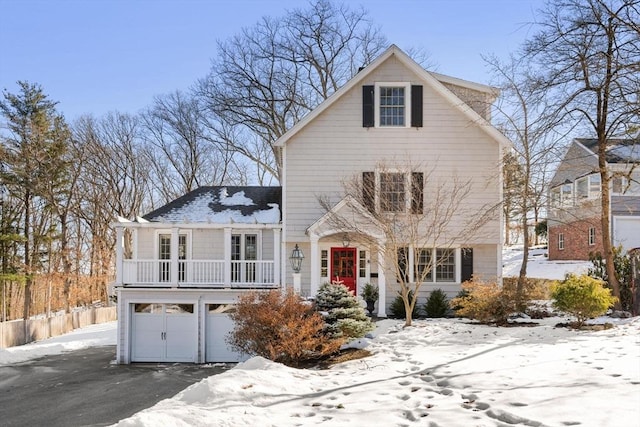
(392, 104)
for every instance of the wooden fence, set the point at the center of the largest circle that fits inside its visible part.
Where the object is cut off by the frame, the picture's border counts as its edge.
(17, 332)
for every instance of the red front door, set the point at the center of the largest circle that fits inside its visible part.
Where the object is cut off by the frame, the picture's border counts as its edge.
(343, 267)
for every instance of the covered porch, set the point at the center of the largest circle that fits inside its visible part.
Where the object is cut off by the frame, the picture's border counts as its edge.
(170, 255)
(347, 246)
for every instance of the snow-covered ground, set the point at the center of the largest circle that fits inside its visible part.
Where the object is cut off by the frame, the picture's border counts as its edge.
(91, 336)
(436, 373)
(444, 372)
(538, 266)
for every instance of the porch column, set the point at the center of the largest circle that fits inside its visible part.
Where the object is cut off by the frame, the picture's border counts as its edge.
(227, 257)
(175, 247)
(119, 252)
(315, 266)
(382, 286)
(276, 257)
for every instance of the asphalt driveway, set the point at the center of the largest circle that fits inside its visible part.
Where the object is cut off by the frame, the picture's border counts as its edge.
(84, 388)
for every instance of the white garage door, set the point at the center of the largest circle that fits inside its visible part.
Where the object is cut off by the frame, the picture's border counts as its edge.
(626, 231)
(217, 328)
(164, 333)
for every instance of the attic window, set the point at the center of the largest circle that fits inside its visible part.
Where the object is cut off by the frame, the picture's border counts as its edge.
(391, 110)
(392, 104)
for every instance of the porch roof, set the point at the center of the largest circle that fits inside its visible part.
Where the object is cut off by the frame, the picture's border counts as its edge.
(221, 205)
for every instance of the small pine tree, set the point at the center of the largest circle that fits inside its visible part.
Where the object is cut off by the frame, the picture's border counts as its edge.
(437, 304)
(342, 312)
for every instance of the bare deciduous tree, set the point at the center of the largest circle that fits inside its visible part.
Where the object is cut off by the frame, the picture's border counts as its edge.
(420, 234)
(183, 157)
(527, 119)
(587, 57)
(269, 76)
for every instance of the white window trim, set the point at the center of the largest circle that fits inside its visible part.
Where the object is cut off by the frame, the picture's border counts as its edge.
(592, 236)
(168, 231)
(457, 272)
(561, 241)
(243, 242)
(407, 103)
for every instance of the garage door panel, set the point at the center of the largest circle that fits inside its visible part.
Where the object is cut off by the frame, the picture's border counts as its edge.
(627, 232)
(181, 337)
(217, 350)
(148, 345)
(162, 334)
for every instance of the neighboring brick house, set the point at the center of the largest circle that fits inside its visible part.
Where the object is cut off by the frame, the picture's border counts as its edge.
(574, 216)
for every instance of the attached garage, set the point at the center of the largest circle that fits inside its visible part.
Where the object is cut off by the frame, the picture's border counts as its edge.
(218, 326)
(175, 325)
(164, 332)
(626, 231)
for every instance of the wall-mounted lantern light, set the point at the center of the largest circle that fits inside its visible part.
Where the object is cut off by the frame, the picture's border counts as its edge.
(296, 259)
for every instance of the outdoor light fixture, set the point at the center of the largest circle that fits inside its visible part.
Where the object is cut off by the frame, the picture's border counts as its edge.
(296, 259)
(345, 240)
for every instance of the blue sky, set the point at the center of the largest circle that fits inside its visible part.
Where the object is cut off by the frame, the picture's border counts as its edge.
(96, 56)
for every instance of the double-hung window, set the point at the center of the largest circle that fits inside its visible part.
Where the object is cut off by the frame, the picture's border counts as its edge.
(446, 265)
(431, 265)
(393, 191)
(392, 107)
(392, 104)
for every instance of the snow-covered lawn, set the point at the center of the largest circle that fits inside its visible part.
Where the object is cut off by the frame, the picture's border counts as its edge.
(445, 372)
(436, 373)
(538, 266)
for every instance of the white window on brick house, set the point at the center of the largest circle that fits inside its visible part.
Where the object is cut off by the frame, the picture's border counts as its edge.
(567, 194)
(592, 236)
(561, 241)
(595, 186)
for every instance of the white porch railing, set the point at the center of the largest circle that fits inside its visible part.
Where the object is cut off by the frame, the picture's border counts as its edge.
(198, 273)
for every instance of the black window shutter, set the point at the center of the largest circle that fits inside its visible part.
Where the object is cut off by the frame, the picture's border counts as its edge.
(466, 271)
(416, 106)
(417, 192)
(367, 106)
(368, 190)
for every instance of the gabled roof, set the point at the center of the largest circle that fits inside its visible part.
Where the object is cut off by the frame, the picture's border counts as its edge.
(350, 216)
(430, 79)
(618, 150)
(223, 205)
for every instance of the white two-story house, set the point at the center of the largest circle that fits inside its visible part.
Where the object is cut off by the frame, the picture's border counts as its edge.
(406, 136)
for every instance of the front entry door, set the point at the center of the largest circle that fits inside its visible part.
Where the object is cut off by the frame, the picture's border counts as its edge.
(343, 267)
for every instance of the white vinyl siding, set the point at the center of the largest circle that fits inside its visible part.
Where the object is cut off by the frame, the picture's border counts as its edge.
(338, 149)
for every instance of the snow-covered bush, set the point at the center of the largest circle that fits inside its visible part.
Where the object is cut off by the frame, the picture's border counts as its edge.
(280, 327)
(582, 296)
(343, 315)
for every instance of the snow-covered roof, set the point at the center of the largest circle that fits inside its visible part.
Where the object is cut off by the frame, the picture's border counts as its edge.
(223, 205)
(618, 150)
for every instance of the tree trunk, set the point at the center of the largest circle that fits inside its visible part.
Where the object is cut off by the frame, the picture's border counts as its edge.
(607, 245)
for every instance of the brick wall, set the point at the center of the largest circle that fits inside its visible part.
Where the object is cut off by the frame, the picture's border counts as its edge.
(576, 240)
